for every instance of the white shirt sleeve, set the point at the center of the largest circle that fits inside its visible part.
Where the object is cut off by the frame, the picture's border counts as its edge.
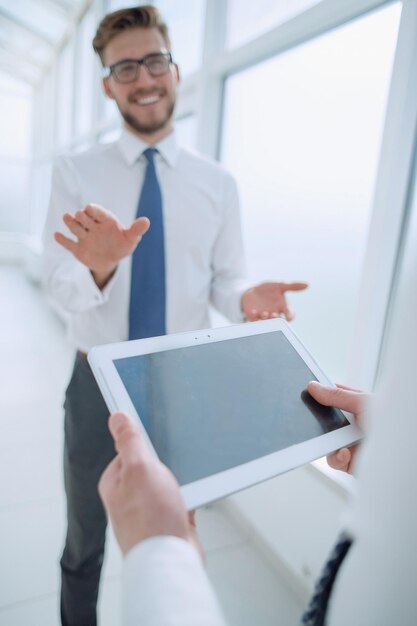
(165, 584)
(68, 282)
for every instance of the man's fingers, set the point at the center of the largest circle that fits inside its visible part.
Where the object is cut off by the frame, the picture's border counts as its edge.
(138, 228)
(349, 388)
(96, 212)
(128, 439)
(288, 313)
(74, 226)
(340, 459)
(85, 221)
(344, 399)
(65, 242)
(251, 315)
(294, 286)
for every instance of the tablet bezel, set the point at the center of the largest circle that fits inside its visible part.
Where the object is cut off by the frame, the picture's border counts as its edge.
(216, 486)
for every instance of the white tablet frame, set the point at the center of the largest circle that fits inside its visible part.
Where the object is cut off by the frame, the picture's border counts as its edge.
(224, 483)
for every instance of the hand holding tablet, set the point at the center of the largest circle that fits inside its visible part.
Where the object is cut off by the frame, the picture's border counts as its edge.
(347, 399)
(223, 408)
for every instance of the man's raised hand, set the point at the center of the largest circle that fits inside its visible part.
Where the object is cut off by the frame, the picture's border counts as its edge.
(101, 240)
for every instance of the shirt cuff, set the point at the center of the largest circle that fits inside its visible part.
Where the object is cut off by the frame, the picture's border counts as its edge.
(94, 296)
(165, 584)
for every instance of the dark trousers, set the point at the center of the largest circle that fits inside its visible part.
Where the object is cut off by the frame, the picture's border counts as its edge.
(88, 449)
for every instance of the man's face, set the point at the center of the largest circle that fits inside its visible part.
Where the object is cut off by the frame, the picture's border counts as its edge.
(148, 103)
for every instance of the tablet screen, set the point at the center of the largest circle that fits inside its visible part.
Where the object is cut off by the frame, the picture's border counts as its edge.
(212, 406)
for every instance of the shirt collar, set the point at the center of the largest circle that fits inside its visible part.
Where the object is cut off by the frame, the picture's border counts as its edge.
(132, 147)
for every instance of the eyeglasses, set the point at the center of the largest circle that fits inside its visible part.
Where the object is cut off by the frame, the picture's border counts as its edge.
(127, 71)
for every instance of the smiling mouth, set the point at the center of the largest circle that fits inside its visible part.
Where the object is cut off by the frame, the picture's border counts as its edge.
(147, 100)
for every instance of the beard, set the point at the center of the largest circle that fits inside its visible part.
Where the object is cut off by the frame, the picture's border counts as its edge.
(151, 126)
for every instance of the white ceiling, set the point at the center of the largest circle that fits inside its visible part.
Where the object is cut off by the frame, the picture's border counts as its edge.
(31, 32)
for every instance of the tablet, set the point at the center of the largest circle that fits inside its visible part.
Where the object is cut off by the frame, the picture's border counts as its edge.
(223, 408)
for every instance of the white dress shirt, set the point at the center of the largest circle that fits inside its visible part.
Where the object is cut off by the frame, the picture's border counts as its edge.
(377, 582)
(202, 230)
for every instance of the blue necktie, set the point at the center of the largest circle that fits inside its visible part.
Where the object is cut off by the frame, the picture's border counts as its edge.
(147, 286)
(316, 613)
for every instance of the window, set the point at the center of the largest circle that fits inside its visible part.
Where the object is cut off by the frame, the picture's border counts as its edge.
(15, 118)
(247, 19)
(302, 133)
(15, 144)
(86, 75)
(185, 20)
(41, 187)
(64, 96)
(405, 269)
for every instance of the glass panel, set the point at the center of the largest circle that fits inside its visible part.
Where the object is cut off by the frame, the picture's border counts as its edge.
(115, 5)
(43, 18)
(40, 192)
(247, 19)
(302, 133)
(64, 96)
(13, 86)
(43, 136)
(86, 74)
(15, 147)
(14, 66)
(26, 44)
(185, 20)
(15, 119)
(406, 272)
(14, 194)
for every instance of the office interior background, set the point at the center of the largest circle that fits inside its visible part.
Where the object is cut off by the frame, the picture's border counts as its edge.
(312, 105)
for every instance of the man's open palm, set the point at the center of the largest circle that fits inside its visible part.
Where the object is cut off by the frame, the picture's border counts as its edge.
(268, 300)
(101, 240)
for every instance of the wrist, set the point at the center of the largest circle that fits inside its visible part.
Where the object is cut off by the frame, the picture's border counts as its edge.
(102, 277)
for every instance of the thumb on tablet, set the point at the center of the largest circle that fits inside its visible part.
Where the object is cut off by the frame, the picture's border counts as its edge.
(128, 439)
(340, 397)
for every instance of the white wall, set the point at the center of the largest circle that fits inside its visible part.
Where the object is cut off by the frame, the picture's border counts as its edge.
(295, 520)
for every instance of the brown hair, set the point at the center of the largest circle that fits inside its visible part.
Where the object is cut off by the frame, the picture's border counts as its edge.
(145, 16)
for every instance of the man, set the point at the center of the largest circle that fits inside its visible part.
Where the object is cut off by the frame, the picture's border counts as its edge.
(372, 575)
(166, 245)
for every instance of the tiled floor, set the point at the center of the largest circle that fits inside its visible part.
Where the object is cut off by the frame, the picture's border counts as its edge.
(35, 363)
